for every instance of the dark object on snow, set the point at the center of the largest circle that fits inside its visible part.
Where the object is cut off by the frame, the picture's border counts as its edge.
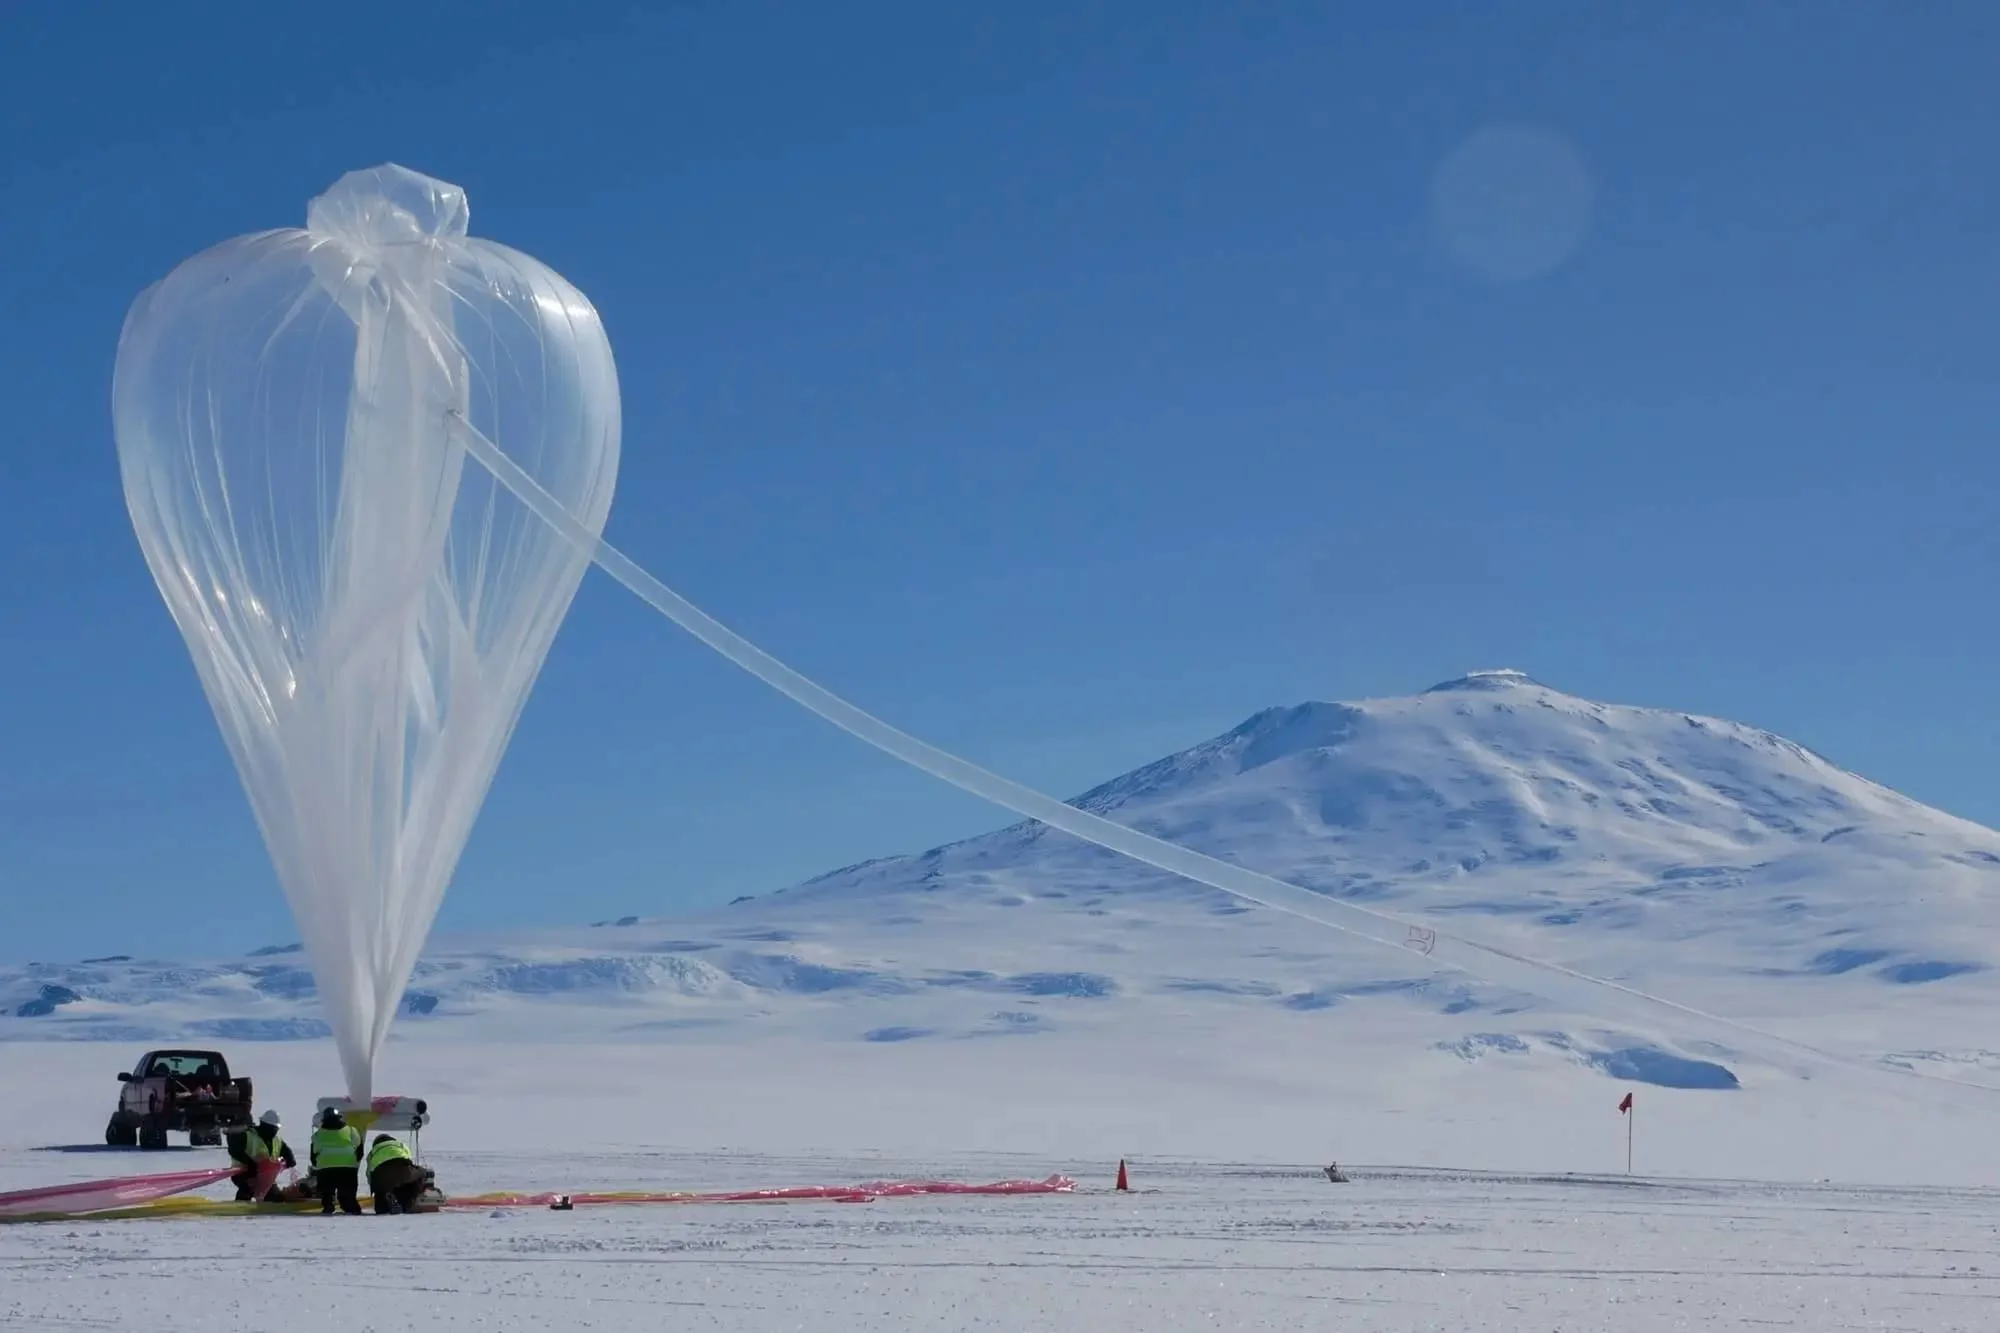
(47, 1002)
(303, 1190)
(563, 1204)
(1333, 1174)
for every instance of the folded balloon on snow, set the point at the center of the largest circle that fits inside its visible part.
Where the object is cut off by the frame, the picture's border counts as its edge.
(366, 610)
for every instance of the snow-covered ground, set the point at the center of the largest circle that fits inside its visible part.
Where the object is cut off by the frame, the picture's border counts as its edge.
(1020, 1004)
(1229, 1225)
(1204, 1247)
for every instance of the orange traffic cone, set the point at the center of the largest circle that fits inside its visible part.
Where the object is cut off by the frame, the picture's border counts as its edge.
(1123, 1183)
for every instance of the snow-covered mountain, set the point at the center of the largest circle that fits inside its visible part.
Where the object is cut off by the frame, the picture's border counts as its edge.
(1695, 859)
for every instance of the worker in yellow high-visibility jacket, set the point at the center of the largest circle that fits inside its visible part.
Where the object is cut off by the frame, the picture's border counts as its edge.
(336, 1160)
(262, 1142)
(394, 1176)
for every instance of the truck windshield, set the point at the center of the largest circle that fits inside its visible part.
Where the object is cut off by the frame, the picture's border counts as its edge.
(185, 1065)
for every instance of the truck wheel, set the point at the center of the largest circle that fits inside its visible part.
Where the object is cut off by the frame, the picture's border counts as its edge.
(152, 1137)
(119, 1134)
(210, 1137)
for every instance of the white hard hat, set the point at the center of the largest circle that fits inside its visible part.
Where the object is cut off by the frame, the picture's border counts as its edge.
(269, 1118)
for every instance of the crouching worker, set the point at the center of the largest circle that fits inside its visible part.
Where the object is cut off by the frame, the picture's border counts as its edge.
(336, 1160)
(259, 1151)
(394, 1176)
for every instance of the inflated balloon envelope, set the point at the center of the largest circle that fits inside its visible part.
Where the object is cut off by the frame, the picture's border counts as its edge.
(366, 610)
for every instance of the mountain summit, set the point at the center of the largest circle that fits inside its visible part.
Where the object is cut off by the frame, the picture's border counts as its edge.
(1500, 678)
(1495, 795)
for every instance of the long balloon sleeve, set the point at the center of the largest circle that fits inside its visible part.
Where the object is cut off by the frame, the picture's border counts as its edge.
(1455, 952)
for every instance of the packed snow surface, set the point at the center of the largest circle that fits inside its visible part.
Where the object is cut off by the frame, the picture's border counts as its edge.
(1210, 1246)
(1230, 1224)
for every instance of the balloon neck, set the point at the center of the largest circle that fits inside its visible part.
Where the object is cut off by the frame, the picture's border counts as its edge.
(388, 205)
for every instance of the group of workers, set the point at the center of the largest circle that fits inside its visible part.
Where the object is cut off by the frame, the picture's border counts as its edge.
(336, 1163)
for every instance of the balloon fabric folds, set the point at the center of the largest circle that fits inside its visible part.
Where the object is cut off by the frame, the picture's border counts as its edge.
(366, 610)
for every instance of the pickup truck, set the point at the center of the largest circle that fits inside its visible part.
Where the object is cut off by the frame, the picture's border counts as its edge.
(187, 1092)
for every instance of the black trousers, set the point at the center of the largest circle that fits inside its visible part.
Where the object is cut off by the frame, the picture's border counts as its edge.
(397, 1186)
(342, 1182)
(401, 1199)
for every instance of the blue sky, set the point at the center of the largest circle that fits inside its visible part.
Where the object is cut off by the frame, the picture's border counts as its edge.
(1062, 381)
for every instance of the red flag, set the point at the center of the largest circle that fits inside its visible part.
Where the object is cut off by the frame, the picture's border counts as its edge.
(1625, 1105)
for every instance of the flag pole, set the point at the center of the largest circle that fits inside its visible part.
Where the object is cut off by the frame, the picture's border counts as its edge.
(1629, 1109)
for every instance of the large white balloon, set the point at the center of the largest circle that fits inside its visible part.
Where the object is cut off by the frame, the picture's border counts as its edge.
(366, 611)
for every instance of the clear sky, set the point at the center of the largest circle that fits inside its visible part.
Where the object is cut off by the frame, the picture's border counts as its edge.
(1063, 381)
